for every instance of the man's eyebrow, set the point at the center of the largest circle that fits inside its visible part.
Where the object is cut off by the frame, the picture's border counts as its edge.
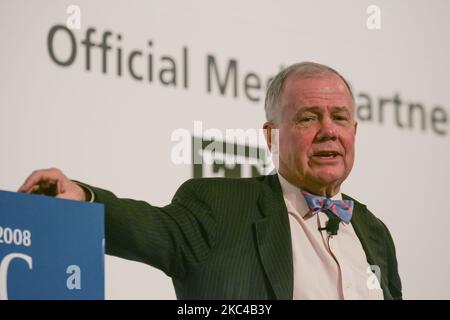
(309, 109)
(317, 109)
(340, 109)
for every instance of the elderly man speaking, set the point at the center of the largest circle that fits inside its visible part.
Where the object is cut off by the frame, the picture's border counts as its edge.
(290, 235)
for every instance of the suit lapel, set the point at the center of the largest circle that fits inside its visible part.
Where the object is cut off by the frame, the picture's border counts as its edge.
(274, 239)
(373, 244)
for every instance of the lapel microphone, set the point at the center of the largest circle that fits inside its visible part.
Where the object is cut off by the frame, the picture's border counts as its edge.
(332, 225)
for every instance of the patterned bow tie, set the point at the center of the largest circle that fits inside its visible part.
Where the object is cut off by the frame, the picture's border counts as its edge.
(340, 208)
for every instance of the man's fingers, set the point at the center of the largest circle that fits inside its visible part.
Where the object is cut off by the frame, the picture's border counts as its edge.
(52, 182)
(44, 177)
(32, 189)
(31, 181)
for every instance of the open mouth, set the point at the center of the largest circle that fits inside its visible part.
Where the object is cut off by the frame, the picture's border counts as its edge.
(326, 155)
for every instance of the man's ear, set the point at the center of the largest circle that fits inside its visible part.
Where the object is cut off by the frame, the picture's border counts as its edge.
(271, 133)
(267, 127)
(356, 126)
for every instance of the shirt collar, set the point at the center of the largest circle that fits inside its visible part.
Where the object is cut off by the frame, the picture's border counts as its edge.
(295, 198)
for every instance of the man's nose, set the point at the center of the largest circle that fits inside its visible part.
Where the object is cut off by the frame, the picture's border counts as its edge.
(327, 130)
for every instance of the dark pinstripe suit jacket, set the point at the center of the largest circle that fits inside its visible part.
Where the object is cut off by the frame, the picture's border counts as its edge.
(228, 239)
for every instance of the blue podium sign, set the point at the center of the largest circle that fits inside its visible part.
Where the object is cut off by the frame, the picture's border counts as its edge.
(50, 248)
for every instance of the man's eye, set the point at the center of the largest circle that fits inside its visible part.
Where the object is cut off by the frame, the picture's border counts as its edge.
(341, 118)
(307, 119)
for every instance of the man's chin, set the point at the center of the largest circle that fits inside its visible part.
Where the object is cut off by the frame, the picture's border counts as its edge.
(329, 179)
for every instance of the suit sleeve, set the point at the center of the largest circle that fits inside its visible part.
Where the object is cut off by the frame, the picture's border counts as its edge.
(176, 238)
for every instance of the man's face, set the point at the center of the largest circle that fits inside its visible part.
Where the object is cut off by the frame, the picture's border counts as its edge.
(317, 131)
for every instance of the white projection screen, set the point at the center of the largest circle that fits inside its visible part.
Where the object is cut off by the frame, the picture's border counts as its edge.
(112, 118)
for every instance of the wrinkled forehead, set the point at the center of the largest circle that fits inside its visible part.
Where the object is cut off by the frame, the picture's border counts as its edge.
(320, 91)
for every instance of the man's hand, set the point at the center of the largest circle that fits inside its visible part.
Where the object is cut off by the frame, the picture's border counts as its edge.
(52, 182)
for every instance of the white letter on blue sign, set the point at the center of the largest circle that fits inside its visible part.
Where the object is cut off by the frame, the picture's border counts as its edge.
(74, 281)
(4, 265)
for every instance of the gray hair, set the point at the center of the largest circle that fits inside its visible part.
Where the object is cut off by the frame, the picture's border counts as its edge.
(303, 70)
